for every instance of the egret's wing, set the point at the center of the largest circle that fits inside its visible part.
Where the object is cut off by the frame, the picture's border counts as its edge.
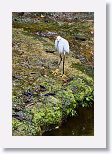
(66, 46)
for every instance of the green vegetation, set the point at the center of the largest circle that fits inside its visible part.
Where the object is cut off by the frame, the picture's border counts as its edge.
(42, 97)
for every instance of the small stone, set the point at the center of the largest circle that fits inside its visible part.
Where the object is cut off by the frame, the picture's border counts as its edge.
(57, 127)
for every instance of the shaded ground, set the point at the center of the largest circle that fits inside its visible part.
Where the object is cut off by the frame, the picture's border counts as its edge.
(42, 98)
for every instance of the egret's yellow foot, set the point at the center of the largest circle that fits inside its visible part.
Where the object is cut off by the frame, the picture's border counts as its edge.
(56, 72)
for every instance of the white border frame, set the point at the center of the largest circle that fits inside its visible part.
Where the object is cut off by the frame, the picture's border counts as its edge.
(99, 138)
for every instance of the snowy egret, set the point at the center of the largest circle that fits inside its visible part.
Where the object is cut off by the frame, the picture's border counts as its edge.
(62, 46)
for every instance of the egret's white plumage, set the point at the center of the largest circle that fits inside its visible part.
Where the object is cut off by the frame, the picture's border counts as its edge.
(61, 45)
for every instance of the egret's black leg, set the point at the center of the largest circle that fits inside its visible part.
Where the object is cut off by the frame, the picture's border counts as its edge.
(60, 60)
(63, 62)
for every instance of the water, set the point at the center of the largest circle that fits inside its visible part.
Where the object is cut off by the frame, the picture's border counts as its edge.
(81, 125)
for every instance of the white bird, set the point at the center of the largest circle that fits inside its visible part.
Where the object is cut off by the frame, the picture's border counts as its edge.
(62, 46)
